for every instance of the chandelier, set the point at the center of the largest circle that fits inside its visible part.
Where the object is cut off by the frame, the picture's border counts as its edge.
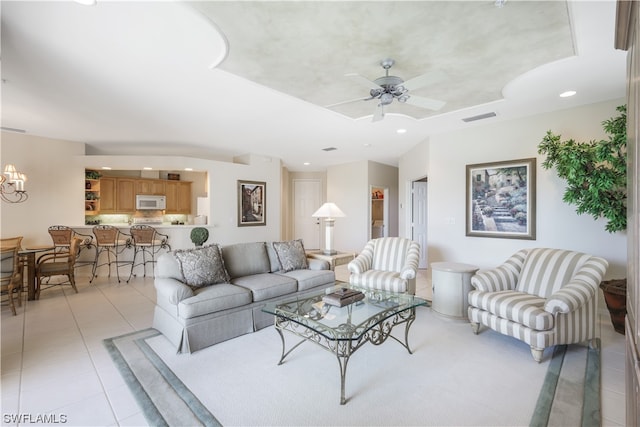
(12, 185)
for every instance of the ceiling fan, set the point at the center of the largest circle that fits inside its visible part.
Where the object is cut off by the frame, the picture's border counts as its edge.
(387, 88)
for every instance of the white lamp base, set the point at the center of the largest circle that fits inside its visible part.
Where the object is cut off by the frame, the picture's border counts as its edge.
(328, 238)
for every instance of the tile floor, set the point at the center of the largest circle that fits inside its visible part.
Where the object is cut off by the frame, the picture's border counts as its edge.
(54, 366)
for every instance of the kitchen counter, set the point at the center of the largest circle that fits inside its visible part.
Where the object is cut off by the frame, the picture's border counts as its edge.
(179, 235)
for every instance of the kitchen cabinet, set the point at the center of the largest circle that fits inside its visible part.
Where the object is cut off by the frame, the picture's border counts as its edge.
(126, 195)
(150, 186)
(117, 195)
(107, 195)
(178, 197)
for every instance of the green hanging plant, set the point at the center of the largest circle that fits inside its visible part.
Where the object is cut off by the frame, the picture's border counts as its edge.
(595, 171)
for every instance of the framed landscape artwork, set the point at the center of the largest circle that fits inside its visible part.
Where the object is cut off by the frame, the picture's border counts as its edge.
(252, 205)
(501, 199)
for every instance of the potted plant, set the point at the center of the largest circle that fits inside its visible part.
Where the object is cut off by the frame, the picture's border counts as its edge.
(596, 176)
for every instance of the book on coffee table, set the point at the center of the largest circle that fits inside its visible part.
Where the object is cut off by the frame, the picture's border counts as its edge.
(343, 297)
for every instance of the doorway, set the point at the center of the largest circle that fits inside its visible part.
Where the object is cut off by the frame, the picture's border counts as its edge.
(419, 218)
(307, 198)
(379, 212)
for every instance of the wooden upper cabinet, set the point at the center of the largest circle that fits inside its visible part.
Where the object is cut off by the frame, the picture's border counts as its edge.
(118, 194)
(126, 195)
(107, 195)
(150, 186)
(178, 197)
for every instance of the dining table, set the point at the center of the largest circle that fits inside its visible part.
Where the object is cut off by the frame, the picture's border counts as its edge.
(28, 256)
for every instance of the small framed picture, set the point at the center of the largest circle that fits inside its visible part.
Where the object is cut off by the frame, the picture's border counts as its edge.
(252, 203)
(501, 199)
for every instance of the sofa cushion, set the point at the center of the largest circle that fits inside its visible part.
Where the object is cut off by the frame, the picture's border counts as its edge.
(291, 255)
(519, 307)
(273, 258)
(545, 270)
(202, 266)
(267, 285)
(381, 280)
(211, 299)
(245, 259)
(308, 279)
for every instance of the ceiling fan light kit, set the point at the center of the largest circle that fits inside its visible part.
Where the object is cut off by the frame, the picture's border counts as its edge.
(387, 88)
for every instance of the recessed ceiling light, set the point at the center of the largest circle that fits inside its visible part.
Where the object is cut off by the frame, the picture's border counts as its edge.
(107, 168)
(188, 169)
(86, 2)
(366, 144)
(567, 94)
(306, 163)
(401, 131)
(147, 168)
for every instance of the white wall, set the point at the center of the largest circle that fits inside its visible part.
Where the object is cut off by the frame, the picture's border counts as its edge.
(55, 170)
(50, 170)
(557, 223)
(348, 187)
(222, 185)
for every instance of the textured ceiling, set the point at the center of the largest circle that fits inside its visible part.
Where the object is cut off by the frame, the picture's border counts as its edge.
(472, 49)
(218, 79)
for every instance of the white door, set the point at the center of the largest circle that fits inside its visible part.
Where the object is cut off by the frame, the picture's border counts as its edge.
(419, 218)
(306, 200)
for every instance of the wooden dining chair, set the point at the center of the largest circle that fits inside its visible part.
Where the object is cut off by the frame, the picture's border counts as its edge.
(11, 270)
(58, 264)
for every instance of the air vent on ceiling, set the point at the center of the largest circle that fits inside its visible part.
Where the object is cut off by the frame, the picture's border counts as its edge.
(329, 149)
(479, 117)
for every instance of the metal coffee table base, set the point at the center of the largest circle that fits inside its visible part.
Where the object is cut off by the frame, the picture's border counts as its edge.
(343, 348)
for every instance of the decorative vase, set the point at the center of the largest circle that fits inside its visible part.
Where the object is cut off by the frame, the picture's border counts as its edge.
(615, 295)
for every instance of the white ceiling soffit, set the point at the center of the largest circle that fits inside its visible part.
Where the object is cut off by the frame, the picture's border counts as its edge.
(471, 48)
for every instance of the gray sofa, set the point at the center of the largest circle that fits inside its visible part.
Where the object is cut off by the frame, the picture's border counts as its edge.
(193, 318)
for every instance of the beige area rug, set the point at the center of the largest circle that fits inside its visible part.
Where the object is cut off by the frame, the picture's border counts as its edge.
(452, 378)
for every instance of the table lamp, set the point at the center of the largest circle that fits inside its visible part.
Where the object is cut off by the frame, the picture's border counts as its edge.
(329, 211)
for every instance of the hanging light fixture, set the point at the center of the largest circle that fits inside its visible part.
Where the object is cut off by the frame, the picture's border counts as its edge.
(12, 185)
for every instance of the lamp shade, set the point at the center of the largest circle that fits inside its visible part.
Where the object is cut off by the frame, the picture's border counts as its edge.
(328, 210)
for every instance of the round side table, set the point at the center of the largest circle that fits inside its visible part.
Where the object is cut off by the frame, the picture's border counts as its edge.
(451, 283)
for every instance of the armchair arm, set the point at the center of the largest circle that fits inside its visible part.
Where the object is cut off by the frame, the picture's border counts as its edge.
(317, 264)
(582, 287)
(410, 267)
(571, 297)
(172, 290)
(53, 256)
(502, 278)
(360, 264)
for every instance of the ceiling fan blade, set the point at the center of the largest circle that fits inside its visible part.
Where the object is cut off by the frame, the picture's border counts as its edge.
(424, 80)
(348, 102)
(428, 103)
(378, 114)
(363, 81)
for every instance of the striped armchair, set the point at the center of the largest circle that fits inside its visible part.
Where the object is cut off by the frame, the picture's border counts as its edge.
(388, 263)
(543, 297)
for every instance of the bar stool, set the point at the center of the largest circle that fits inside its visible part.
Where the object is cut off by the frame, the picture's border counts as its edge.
(111, 240)
(62, 236)
(147, 241)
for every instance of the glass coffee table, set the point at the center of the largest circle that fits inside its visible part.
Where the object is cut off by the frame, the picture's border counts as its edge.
(343, 330)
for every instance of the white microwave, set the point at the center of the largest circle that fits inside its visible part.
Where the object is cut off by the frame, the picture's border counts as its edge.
(148, 202)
